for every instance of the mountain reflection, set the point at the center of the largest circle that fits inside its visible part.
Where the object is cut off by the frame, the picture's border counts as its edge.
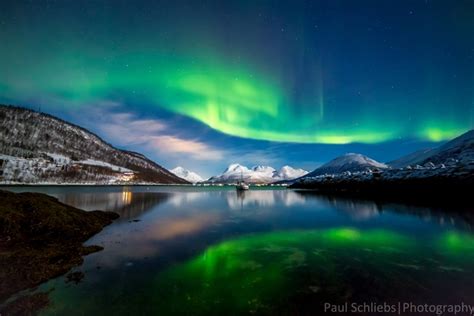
(127, 204)
(262, 198)
(153, 236)
(200, 235)
(357, 210)
(459, 215)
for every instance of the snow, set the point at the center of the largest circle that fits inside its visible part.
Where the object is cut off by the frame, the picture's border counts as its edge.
(61, 159)
(40, 170)
(257, 174)
(458, 149)
(289, 173)
(187, 174)
(466, 138)
(50, 149)
(454, 159)
(350, 162)
(92, 162)
(352, 158)
(411, 159)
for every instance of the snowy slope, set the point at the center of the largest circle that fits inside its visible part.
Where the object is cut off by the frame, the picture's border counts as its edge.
(38, 147)
(289, 173)
(411, 159)
(460, 149)
(258, 174)
(348, 163)
(451, 164)
(187, 175)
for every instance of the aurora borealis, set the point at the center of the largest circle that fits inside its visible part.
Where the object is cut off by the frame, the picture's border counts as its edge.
(261, 73)
(265, 272)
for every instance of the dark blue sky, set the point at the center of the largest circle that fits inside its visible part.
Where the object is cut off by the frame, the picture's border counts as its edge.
(206, 83)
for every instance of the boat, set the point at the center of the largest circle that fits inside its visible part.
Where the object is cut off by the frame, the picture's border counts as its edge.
(242, 186)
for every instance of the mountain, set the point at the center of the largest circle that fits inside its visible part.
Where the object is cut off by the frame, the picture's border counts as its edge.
(458, 150)
(37, 147)
(411, 159)
(235, 173)
(289, 173)
(187, 175)
(258, 174)
(347, 163)
(433, 174)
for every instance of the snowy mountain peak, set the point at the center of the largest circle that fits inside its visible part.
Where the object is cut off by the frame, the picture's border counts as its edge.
(187, 175)
(178, 169)
(353, 158)
(235, 167)
(350, 162)
(289, 173)
(257, 174)
(263, 169)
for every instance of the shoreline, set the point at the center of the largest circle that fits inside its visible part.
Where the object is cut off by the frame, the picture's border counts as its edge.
(5, 185)
(434, 190)
(89, 185)
(33, 228)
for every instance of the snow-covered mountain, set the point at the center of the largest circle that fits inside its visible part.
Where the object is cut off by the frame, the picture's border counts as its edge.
(458, 150)
(187, 175)
(289, 173)
(37, 147)
(411, 159)
(447, 170)
(350, 162)
(258, 174)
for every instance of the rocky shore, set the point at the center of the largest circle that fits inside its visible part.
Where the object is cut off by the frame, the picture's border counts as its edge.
(40, 238)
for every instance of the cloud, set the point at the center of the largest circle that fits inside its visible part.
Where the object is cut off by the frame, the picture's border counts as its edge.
(169, 140)
(257, 157)
(126, 129)
(197, 149)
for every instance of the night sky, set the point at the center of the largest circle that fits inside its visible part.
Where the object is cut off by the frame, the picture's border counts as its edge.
(205, 83)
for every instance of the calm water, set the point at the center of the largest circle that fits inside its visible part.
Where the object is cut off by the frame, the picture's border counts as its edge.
(200, 251)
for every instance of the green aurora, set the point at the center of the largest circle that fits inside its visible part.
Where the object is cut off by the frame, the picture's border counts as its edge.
(288, 83)
(287, 271)
(314, 263)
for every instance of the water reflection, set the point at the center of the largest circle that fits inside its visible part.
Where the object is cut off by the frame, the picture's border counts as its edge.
(459, 215)
(178, 241)
(357, 210)
(180, 224)
(180, 200)
(263, 198)
(126, 196)
(127, 204)
(152, 236)
(306, 268)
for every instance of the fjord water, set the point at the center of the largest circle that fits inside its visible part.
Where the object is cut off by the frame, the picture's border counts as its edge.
(200, 251)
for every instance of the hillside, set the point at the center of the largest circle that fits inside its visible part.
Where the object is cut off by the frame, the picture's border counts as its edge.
(444, 171)
(40, 148)
(347, 163)
(411, 159)
(458, 150)
(33, 228)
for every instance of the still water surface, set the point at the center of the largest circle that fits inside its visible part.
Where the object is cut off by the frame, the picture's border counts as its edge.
(201, 251)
